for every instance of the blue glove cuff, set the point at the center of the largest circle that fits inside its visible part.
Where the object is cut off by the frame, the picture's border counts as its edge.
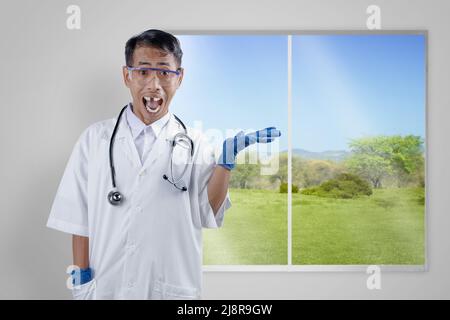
(228, 157)
(81, 276)
(228, 166)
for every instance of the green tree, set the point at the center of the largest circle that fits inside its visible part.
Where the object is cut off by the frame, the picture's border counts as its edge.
(314, 172)
(305, 172)
(244, 174)
(281, 175)
(379, 157)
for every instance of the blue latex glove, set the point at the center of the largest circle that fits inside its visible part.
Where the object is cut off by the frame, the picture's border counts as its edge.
(81, 276)
(232, 146)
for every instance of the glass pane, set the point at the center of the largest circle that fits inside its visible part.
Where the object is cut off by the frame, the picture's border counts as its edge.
(359, 149)
(234, 83)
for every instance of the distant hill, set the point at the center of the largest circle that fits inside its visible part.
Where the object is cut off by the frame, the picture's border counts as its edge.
(334, 155)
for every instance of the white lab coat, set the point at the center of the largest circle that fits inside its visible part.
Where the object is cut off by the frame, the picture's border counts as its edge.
(149, 247)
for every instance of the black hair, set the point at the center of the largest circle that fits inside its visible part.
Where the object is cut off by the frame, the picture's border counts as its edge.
(157, 39)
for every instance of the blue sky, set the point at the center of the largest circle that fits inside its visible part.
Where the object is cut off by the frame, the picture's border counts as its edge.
(344, 86)
(350, 86)
(234, 82)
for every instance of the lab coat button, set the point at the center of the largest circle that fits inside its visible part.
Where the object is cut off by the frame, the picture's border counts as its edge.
(130, 284)
(142, 173)
(138, 209)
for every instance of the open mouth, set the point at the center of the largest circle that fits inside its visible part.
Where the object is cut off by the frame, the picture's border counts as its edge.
(152, 104)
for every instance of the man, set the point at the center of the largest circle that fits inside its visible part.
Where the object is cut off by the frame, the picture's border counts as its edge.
(144, 242)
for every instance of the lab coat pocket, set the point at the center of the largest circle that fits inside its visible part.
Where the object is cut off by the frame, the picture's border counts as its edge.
(86, 291)
(167, 291)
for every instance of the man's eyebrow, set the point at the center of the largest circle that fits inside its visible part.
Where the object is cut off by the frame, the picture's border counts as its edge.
(159, 63)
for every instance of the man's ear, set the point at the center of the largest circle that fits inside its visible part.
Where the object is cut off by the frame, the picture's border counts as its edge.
(126, 76)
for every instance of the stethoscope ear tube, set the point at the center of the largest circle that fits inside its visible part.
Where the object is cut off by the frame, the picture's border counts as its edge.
(186, 133)
(183, 188)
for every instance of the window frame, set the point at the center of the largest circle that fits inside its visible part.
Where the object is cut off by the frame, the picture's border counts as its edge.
(289, 267)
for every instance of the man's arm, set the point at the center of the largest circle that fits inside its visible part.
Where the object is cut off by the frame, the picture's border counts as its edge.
(218, 187)
(80, 247)
(218, 183)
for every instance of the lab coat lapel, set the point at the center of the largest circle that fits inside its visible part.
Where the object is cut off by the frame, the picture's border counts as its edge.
(124, 142)
(161, 145)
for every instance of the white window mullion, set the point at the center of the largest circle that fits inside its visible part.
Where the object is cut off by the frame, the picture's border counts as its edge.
(289, 166)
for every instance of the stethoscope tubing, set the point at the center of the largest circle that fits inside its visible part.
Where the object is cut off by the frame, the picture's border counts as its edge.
(114, 196)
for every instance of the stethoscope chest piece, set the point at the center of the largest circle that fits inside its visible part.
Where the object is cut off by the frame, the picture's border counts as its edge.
(115, 197)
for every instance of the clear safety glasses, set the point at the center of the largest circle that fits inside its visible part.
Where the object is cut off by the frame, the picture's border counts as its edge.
(141, 74)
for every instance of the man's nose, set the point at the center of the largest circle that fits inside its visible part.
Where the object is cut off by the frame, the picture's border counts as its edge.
(152, 80)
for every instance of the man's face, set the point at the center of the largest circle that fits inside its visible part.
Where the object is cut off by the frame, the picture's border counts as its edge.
(143, 92)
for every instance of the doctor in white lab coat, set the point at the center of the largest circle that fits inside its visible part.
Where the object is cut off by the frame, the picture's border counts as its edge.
(150, 245)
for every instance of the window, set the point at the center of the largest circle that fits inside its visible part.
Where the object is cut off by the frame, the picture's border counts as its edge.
(356, 162)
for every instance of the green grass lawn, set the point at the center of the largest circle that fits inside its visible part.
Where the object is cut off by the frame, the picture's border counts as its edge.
(254, 230)
(385, 228)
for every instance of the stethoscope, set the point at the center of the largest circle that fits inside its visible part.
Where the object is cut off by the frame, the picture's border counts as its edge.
(114, 196)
